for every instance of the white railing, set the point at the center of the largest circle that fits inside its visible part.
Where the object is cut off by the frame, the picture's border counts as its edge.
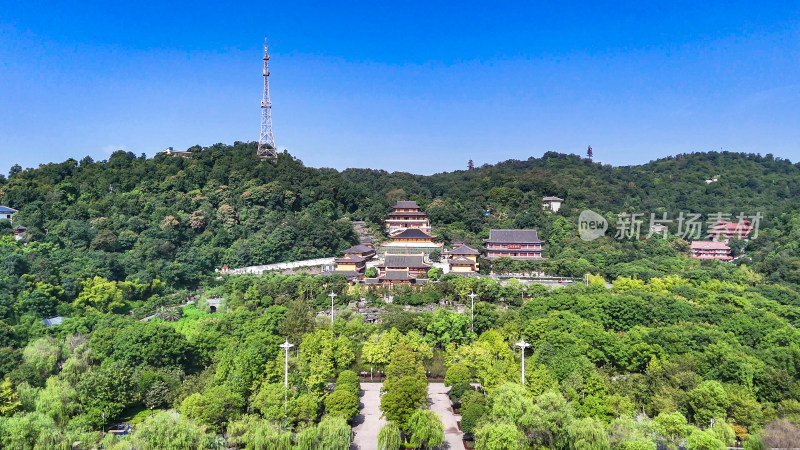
(258, 270)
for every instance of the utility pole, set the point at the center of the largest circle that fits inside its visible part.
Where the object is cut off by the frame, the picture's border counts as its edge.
(332, 295)
(285, 346)
(266, 143)
(523, 345)
(472, 314)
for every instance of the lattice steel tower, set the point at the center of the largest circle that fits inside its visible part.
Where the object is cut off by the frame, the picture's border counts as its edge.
(266, 143)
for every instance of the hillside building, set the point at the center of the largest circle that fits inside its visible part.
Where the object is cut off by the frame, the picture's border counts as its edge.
(710, 250)
(552, 203)
(361, 250)
(398, 269)
(7, 213)
(725, 231)
(411, 241)
(414, 264)
(514, 244)
(462, 259)
(19, 233)
(172, 152)
(406, 215)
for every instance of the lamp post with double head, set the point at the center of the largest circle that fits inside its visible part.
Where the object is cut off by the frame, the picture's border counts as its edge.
(523, 345)
(472, 310)
(332, 295)
(285, 346)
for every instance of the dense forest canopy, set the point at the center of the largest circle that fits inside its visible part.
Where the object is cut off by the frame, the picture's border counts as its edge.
(176, 219)
(673, 344)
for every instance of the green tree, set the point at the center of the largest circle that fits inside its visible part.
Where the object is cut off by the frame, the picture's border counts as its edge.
(342, 403)
(707, 401)
(499, 436)
(470, 415)
(427, 429)
(457, 374)
(588, 434)
(214, 408)
(334, 433)
(100, 294)
(671, 426)
(389, 437)
(9, 398)
(167, 430)
(298, 321)
(704, 440)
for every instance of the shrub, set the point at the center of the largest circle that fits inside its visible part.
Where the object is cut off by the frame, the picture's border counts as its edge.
(458, 390)
(348, 380)
(456, 374)
(342, 403)
(472, 397)
(470, 416)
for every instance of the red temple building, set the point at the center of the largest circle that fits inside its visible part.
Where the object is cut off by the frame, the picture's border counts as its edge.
(514, 244)
(710, 250)
(407, 214)
(725, 231)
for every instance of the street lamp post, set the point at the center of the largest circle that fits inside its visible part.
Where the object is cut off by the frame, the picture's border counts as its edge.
(472, 313)
(523, 345)
(285, 346)
(332, 295)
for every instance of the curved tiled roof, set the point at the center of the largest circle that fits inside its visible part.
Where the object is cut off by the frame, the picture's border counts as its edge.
(412, 233)
(396, 275)
(406, 204)
(461, 260)
(350, 258)
(410, 261)
(463, 250)
(514, 236)
(360, 248)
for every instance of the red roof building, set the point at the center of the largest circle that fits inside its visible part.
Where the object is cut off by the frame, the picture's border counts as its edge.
(710, 250)
(725, 231)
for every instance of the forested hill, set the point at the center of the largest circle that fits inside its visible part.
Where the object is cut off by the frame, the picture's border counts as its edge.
(176, 219)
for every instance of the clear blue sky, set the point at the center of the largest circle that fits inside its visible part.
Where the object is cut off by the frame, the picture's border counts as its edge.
(414, 86)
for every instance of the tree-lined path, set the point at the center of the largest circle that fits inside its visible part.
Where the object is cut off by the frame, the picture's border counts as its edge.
(440, 404)
(369, 421)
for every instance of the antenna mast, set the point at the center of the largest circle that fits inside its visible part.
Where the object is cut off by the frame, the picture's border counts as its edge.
(266, 143)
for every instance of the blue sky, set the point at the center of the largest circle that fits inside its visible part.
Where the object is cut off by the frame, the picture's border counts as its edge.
(413, 86)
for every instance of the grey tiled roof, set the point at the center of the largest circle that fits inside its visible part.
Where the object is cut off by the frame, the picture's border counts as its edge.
(360, 248)
(406, 204)
(413, 233)
(411, 261)
(463, 250)
(461, 260)
(552, 199)
(396, 275)
(350, 258)
(513, 236)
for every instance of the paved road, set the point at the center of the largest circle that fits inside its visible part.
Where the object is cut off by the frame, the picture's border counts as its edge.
(369, 421)
(440, 404)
